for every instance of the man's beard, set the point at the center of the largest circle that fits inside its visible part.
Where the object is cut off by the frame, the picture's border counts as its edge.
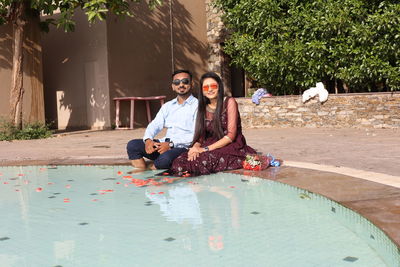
(183, 94)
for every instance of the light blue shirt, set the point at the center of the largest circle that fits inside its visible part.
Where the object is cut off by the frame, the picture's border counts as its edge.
(179, 119)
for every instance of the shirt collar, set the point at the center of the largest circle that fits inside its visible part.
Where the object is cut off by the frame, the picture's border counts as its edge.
(189, 100)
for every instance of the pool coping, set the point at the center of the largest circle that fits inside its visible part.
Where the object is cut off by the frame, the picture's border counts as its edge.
(374, 196)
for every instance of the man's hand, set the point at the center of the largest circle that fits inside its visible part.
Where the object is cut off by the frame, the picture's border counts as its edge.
(162, 147)
(150, 146)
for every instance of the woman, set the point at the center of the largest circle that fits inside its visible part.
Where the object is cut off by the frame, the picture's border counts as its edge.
(218, 142)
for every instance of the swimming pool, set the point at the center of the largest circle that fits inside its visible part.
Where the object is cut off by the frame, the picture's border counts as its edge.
(95, 216)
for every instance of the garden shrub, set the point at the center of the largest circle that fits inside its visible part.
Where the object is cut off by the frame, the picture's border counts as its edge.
(30, 131)
(289, 45)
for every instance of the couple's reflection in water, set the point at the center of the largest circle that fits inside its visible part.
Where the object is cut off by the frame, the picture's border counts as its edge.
(209, 212)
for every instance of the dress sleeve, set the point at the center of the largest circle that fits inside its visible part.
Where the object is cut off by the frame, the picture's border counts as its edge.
(232, 116)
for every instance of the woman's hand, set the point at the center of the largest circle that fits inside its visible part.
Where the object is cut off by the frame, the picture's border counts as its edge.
(194, 152)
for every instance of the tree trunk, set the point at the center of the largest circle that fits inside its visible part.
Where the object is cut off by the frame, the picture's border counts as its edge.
(17, 91)
(336, 87)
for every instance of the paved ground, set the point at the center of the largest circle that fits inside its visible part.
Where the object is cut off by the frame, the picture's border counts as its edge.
(368, 150)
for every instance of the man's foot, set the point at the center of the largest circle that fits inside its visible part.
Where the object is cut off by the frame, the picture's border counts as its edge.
(139, 163)
(151, 166)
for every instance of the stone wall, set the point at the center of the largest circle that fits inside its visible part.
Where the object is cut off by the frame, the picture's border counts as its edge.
(378, 110)
(216, 34)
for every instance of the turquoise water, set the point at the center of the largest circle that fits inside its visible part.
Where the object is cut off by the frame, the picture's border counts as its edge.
(93, 216)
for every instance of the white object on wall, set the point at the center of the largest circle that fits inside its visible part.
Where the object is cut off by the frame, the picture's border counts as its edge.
(314, 91)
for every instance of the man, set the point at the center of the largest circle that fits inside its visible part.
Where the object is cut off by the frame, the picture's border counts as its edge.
(179, 117)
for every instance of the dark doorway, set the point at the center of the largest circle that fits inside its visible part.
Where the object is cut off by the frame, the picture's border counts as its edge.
(237, 81)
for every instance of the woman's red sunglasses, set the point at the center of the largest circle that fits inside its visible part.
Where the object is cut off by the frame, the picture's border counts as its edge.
(212, 86)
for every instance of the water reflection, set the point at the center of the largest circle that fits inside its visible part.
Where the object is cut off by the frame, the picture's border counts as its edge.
(199, 201)
(178, 204)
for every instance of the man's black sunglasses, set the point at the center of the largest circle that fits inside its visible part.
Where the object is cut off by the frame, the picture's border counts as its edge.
(178, 82)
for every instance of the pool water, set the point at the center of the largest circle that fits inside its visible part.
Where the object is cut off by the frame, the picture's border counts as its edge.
(95, 216)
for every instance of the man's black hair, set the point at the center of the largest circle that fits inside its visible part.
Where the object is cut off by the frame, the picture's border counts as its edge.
(182, 71)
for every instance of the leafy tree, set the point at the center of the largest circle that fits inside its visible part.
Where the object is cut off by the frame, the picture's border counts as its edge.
(289, 45)
(16, 12)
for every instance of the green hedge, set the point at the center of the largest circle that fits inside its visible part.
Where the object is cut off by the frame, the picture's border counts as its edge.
(36, 130)
(289, 45)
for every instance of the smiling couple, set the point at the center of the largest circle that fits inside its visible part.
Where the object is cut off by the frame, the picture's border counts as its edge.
(203, 135)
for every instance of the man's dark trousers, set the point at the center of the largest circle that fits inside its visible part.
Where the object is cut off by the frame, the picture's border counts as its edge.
(136, 150)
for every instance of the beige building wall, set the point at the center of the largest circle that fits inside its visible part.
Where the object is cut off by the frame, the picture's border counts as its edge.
(76, 76)
(33, 102)
(86, 69)
(144, 51)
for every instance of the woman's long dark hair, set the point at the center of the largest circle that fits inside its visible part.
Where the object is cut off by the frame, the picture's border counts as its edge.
(200, 130)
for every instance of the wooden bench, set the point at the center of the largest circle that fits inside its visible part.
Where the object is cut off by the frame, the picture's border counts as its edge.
(132, 99)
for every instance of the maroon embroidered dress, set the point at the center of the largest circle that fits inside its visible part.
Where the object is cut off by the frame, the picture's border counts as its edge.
(229, 157)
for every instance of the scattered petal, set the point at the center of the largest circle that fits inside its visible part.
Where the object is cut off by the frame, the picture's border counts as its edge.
(66, 200)
(39, 189)
(119, 173)
(68, 186)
